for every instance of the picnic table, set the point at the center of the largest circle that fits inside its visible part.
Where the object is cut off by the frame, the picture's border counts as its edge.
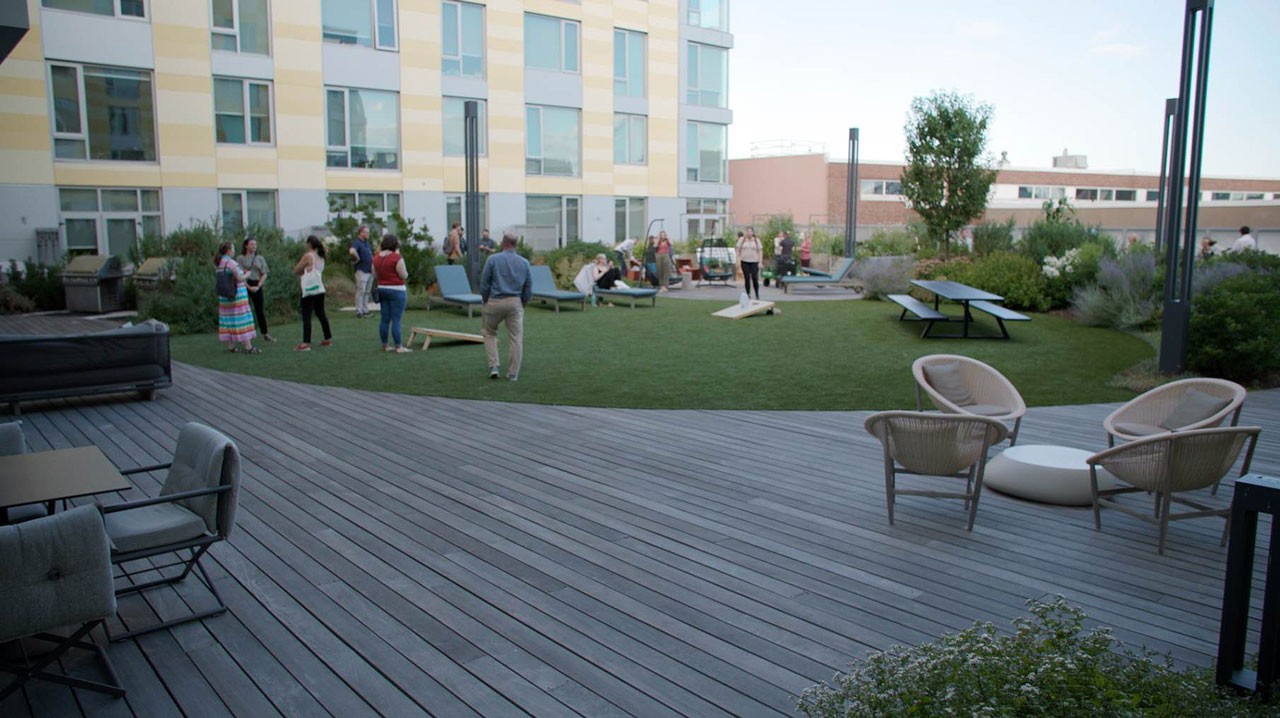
(969, 298)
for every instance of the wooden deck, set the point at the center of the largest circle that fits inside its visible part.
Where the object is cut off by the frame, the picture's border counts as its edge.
(406, 556)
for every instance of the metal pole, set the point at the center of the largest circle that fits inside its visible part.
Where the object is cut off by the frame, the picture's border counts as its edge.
(851, 196)
(1180, 245)
(471, 147)
(1170, 108)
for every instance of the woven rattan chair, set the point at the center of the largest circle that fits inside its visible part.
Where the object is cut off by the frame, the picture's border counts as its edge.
(1169, 464)
(927, 444)
(1177, 406)
(960, 385)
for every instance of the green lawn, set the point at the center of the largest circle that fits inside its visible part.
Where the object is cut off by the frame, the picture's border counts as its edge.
(813, 356)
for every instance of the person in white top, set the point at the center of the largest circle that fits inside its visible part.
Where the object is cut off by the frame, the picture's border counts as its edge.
(749, 254)
(1245, 241)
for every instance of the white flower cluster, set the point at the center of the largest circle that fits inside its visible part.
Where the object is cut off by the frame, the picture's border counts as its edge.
(1055, 267)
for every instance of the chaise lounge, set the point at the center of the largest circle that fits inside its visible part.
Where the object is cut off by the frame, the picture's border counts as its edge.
(545, 290)
(841, 277)
(455, 288)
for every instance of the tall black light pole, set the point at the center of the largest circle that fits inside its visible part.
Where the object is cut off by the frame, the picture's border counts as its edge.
(1170, 110)
(471, 147)
(1188, 134)
(851, 196)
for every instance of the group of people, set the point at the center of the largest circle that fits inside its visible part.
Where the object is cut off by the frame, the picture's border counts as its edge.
(455, 244)
(1244, 243)
(751, 253)
(505, 285)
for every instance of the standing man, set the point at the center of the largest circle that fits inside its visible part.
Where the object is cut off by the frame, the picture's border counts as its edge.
(1245, 242)
(362, 262)
(453, 244)
(487, 244)
(506, 285)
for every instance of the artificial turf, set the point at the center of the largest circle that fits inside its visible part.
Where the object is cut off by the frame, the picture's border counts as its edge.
(844, 355)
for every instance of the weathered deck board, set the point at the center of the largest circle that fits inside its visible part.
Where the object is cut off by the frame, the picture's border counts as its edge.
(552, 561)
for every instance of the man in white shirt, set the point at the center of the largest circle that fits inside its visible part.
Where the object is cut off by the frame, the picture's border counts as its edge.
(1245, 241)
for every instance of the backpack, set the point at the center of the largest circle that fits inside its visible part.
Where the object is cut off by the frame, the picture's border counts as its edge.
(225, 285)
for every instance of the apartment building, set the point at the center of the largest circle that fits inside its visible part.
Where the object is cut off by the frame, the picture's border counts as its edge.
(812, 189)
(127, 117)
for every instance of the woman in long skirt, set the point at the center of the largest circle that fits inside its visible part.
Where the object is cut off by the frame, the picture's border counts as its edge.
(235, 318)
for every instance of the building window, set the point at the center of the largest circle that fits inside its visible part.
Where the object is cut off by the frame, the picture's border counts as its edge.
(705, 217)
(550, 43)
(630, 139)
(380, 204)
(555, 210)
(1254, 195)
(362, 128)
(455, 126)
(108, 220)
(708, 76)
(455, 210)
(553, 140)
(463, 25)
(241, 26)
(241, 111)
(112, 8)
(1025, 192)
(881, 188)
(705, 159)
(1153, 195)
(1126, 195)
(628, 63)
(370, 23)
(712, 14)
(629, 218)
(102, 113)
(247, 208)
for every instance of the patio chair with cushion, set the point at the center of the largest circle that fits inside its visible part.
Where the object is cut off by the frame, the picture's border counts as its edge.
(196, 509)
(54, 572)
(12, 443)
(960, 385)
(1177, 406)
(455, 288)
(1166, 465)
(545, 290)
(943, 445)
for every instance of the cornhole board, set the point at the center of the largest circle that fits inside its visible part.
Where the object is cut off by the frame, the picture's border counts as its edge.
(737, 311)
(442, 333)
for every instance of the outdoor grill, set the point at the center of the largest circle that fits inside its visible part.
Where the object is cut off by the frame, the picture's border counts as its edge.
(150, 273)
(94, 284)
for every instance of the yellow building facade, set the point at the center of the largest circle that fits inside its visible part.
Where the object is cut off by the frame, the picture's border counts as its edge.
(598, 119)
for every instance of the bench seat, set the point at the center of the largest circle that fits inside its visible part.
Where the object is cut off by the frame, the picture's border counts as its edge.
(1000, 312)
(923, 312)
(631, 294)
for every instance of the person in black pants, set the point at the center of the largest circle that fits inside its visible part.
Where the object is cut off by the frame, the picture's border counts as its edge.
(750, 252)
(254, 265)
(313, 304)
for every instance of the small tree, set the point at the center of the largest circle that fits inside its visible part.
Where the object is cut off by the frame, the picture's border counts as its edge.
(948, 173)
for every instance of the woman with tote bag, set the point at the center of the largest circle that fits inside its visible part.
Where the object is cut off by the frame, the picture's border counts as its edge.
(311, 269)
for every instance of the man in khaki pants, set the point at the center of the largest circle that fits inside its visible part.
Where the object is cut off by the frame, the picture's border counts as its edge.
(506, 285)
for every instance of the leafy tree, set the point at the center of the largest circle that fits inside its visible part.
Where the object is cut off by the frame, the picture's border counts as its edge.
(948, 173)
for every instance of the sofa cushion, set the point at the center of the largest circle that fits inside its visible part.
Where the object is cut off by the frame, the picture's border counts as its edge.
(947, 380)
(148, 526)
(1195, 406)
(1130, 428)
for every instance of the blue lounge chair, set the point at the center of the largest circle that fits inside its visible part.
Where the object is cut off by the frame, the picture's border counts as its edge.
(455, 288)
(630, 294)
(841, 277)
(545, 290)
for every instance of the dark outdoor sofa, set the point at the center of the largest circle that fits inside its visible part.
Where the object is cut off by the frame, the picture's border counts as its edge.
(134, 358)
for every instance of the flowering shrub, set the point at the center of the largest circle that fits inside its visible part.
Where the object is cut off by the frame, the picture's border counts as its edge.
(1125, 296)
(1050, 666)
(1015, 277)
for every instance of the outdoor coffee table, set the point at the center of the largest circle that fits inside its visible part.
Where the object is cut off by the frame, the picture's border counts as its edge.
(48, 476)
(1045, 473)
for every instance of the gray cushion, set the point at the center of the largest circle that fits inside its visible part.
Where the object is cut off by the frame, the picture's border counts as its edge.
(12, 440)
(150, 526)
(1195, 406)
(1135, 429)
(947, 380)
(54, 571)
(986, 409)
(199, 462)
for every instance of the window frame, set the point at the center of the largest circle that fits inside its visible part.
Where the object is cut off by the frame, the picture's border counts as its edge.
(691, 132)
(563, 23)
(565, 199)
(383, 215)
(460, 32)
(695, 8)
(376, 37)
(626, 77)
(100, 217)
(698, 48)
(541, 157)
(117, 11)
(83, 135)
(460, 200)
(483, 129)
(248, 112)
(346, 129)
(630, 120)
(244, 206)
(234, 30)
(628, 206)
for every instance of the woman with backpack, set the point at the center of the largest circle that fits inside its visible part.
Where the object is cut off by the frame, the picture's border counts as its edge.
(235, 319)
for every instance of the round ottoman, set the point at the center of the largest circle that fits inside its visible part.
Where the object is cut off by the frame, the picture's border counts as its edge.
(1050, 474)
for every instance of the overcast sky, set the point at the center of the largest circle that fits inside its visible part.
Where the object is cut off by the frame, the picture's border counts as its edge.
(1090, 76)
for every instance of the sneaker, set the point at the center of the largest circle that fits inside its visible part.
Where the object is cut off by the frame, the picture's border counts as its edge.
(268, 337)
(493, 372)
(512, 377)
(403, 350)
(304, 347)
(326, 343)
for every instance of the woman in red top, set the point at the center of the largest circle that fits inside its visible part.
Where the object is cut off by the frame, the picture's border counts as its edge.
(388, 267)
